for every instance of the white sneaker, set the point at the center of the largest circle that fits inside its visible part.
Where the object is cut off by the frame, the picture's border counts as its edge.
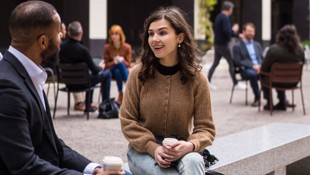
(240, 86)
(212, 87)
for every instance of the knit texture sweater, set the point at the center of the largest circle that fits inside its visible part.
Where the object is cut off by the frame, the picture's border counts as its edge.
(165, 107)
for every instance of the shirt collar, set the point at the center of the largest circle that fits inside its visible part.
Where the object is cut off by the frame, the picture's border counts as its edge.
(247, 42)
(36, 73)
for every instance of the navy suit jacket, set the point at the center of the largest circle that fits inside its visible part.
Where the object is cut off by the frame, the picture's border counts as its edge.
(242, 57)
(28, 142)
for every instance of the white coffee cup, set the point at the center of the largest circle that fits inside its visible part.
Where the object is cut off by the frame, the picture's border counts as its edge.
(169, 140)
(112, 163)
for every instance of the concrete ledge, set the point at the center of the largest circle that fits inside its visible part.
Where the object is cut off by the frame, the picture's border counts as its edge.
(261, 150)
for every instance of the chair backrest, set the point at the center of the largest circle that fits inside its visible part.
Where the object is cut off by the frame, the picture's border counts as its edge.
(73, 74)
(286, 72)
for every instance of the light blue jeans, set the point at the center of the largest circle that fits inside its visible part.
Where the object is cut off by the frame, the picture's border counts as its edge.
(143, 164)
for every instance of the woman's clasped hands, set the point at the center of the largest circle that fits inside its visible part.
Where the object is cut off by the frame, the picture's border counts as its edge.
(168, 153)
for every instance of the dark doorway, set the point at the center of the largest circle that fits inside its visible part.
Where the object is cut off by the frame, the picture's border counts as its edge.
(130, 15)
(281, 14)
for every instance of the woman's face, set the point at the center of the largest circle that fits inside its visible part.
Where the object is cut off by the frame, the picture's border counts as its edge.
(163, 41)
(115, 37)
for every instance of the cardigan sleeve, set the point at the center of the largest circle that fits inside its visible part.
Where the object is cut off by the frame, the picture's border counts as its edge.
(128, 55)
(108, 60)
(140, 138)
(204, 130)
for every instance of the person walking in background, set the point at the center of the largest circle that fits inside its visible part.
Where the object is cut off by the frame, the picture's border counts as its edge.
(247, 54)
(223, 33)
(167, 95)
(117, 57)
(287, 49)
(72, 51)
(28, 142)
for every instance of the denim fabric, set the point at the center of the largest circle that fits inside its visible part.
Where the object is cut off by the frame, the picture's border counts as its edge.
(250, 74)
(104, 78)
(120, 74)
(144, 164)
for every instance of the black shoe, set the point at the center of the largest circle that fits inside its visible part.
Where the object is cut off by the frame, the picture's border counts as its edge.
(255, 103)
(289, 105)
(266, 107)
(280, 107)
(90, 109)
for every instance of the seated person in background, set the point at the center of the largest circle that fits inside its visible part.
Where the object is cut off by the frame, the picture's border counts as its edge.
(79, 97)
(117, 57)
(287, 49)
(247, 54)
(72, 51)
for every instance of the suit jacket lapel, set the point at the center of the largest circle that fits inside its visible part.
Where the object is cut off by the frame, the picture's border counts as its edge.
(257, 52)
(22, 71)
(48, 129)
(243, 47)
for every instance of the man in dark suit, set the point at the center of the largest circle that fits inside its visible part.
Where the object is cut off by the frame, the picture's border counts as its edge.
(247, 54)
(28, 142)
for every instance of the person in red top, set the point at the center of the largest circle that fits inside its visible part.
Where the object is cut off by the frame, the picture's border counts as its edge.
(117, 57)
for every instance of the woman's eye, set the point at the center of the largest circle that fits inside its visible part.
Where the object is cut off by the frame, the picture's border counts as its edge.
(163, 33)
(151, 34)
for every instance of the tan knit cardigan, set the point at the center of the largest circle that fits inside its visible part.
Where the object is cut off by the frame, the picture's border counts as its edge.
(165, 107)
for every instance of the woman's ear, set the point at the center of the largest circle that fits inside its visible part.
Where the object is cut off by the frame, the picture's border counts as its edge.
(181, 37)
(43, 42)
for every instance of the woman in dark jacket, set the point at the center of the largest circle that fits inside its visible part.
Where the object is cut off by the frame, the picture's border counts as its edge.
(287, 49)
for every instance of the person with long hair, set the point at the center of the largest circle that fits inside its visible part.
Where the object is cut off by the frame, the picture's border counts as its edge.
(167, 95)
(117, 57)
(287, 49)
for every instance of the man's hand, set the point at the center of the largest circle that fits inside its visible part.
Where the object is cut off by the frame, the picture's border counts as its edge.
(256, 68)
(100, 171)
(235, 28)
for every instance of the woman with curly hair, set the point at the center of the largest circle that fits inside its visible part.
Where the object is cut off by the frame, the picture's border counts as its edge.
(287, 49)
(167, 95)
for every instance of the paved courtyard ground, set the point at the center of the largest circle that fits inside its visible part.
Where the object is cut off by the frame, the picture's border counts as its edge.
(96, 138)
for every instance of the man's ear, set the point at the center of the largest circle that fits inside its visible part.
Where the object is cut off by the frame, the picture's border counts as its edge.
(43, 42)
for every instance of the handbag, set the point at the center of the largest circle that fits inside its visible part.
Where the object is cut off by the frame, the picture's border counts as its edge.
(209, 160)
(108, 109)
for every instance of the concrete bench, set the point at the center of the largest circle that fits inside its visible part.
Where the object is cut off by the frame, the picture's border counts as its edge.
(264, 150)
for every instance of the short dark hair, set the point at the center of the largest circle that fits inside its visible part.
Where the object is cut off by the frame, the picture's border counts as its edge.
(31, 19)
(248, 24)
(74, 28)
(227, 5)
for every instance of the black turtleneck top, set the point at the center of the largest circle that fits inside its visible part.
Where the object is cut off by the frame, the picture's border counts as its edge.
(164, 70)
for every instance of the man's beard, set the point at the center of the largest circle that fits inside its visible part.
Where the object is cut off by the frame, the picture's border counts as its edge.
(49, 55)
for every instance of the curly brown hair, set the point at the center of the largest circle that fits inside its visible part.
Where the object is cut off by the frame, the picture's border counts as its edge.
(188, 54)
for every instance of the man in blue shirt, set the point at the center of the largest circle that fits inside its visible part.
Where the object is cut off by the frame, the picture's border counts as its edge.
(223, 33)
(247, 54)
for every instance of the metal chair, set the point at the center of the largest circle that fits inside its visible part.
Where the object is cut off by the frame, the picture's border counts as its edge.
(286, 73)
(51, 79)
(238, 70)
(73, 75)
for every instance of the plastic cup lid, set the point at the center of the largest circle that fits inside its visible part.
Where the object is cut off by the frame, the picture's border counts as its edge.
(112, 160)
